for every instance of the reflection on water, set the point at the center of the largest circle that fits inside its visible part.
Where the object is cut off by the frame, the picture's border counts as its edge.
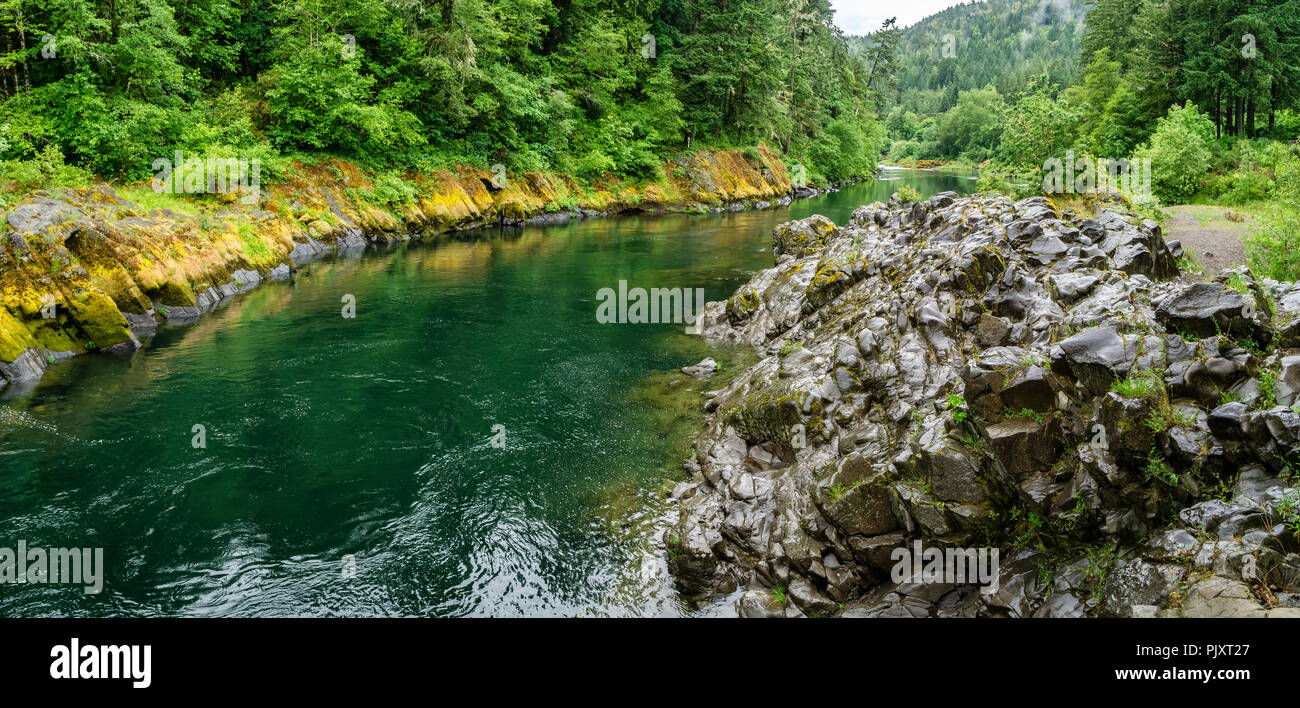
(372, 436)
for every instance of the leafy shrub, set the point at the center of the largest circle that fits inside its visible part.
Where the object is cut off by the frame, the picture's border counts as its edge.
(1273, 249)
(1179, 151)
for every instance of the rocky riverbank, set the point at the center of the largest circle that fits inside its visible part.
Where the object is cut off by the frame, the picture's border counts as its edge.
(978, 373)
(99, 270)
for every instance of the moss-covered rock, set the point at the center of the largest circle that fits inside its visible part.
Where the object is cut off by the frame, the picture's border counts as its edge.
(98, 318)
(800, 238)
(175, 293)
(14, 337)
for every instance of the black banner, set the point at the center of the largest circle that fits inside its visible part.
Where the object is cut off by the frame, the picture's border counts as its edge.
(322, 655)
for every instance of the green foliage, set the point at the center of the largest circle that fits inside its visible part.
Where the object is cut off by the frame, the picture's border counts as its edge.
(1273, 249)
(972, 128)
(390, 190)
(837, 491)
(1146, 383)
(1288, 508)
(992, 180)
(1028, 413)
(908, 194)
(999, 44)
(1157, 469)
(778, 594)
(45, 170)
(1161, 80)
(1179, 151)
(532, 84)
(1037, 127)
(956, 404)
(1267, 389)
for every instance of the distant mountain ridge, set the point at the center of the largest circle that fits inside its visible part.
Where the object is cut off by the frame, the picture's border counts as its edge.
(998, 42)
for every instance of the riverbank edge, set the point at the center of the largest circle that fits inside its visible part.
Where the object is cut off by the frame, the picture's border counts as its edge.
(87, 270)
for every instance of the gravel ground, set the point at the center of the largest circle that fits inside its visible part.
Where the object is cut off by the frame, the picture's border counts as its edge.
(1207, 232)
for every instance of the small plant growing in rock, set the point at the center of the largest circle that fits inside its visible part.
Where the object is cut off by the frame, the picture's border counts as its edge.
(1157, 423)
(1229, 397)
(1031, 360)
(1288, 507)
(972, 442)
(1100, 561)
(956, 404)
(837, 491)
(1027, 526)
(1157, 468)
(1237, 282)
(1189, 264)
(1140, 384)
(778, 594)
(789, 347)
(1250, 345)
(1267, 389)
(1023, 413)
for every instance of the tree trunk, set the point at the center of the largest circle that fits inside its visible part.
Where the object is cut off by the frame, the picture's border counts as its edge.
(1250, 102)
(9, 49)
(1218, 113)
(22, 42)
(1272, 104)
(794, 62)
(1250, 116)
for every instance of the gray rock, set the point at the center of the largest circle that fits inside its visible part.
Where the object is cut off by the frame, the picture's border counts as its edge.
(1095, 357)
(703, 370)
(809, 599)
(1221, 597)
(1205, 309)
(1138, 582)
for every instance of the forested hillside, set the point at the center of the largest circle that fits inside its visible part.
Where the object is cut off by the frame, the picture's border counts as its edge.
(584, 87)
(1203, 93)
(999, 43)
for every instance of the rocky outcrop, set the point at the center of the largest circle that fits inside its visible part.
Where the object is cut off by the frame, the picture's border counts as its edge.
(977, 373)
(90, 269)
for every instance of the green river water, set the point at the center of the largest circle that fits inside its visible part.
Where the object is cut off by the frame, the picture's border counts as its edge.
(372, 437)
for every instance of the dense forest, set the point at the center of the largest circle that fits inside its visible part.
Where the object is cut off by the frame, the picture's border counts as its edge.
(584, 87)
(999, 82)
(1001, 43)
(1204, 93)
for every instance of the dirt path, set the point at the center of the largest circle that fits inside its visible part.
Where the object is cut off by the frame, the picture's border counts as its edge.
(1212, 234)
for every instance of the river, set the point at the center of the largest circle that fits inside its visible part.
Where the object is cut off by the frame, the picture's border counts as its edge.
(473, 442)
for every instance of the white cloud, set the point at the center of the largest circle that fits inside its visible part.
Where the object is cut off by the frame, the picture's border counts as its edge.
(864, 16)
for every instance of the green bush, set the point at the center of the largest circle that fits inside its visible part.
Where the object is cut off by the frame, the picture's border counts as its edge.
(1273, 249)
(1179, 151)
(43, 171)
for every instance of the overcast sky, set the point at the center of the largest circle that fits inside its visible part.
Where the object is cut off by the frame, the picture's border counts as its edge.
(863, 16)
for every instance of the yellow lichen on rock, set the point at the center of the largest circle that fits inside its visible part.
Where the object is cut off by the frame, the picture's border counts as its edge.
(14, 337)
(100, 256)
